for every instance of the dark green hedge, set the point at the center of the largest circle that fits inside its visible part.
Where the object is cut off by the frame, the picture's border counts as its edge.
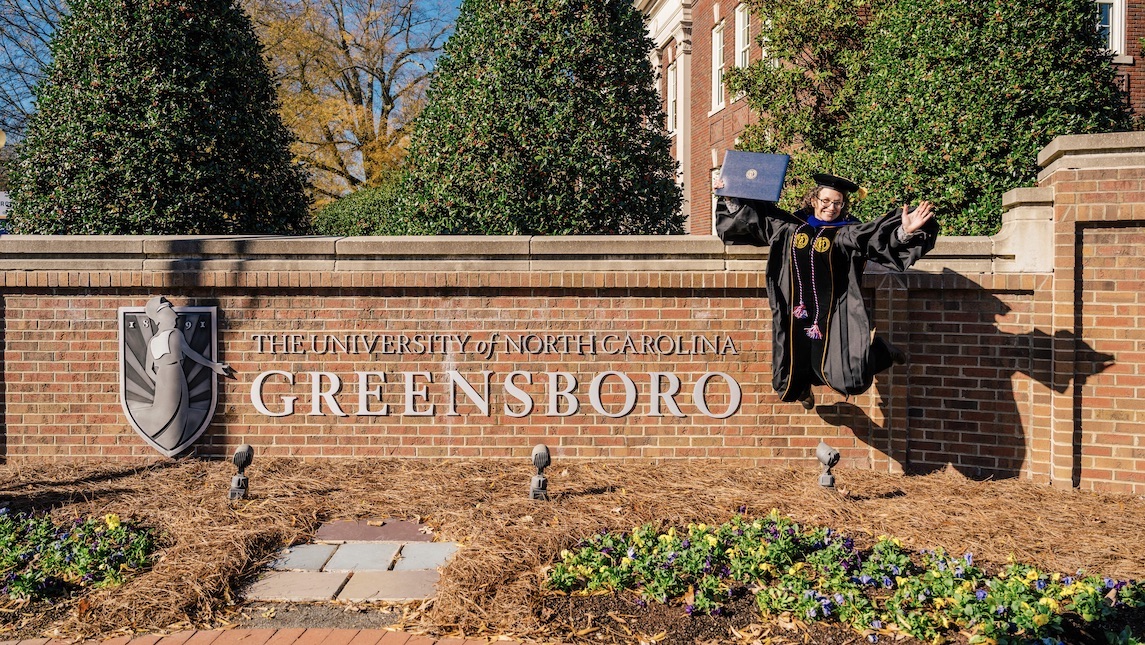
(956, 97)
(946, 100)
(157, 117)
(370, 211)
(544, 119)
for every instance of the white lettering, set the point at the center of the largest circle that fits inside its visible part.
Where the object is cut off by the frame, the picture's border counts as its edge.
(413, 393)
(555, 394)
(365, 392)
(699, 395)
(256, 394)
(456, 379)
(629, 394)
(519, 394)
(318, 395)
(668, 398)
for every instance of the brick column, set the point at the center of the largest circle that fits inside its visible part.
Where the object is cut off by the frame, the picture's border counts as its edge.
(1096, 436)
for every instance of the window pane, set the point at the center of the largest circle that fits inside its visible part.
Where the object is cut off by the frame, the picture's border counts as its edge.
(1105, 23)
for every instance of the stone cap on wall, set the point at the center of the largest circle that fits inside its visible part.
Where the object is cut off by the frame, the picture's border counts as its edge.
(442, 253)
(1110, 150)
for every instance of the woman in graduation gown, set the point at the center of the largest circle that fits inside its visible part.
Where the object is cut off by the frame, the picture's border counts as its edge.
(821, 333)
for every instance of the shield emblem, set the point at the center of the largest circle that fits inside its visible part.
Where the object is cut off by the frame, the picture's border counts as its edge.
(168, 394)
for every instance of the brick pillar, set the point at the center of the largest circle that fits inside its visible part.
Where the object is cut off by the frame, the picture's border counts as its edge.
(1096, 435)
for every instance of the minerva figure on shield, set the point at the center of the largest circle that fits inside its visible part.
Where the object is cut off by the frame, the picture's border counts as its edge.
(169, 401)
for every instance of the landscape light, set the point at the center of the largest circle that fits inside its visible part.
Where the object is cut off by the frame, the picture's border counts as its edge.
(539, 488)
(239, 483)
(827, 456)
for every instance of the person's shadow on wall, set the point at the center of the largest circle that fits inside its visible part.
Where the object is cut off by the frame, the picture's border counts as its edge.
(963, 407)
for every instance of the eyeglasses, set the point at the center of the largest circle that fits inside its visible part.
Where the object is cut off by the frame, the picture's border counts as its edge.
(829, 203)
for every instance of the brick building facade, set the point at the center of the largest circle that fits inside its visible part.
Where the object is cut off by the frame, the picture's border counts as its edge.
(696, 39)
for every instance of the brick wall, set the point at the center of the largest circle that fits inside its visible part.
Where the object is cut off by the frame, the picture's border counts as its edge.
(1132, 70)
(1026, 357)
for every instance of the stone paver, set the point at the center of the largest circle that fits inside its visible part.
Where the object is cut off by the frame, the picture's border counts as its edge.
(389, 530)
(425, 555)
(392, 586)
(296, 586)
(304, 557)
(363, 556)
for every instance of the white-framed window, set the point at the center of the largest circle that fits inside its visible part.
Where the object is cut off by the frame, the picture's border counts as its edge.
(671, 97)
(718, 66)
(743, 35)
(1111, 25)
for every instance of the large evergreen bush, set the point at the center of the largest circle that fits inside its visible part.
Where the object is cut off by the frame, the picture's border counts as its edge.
(544, 119)
(956, 97)
(157, 117)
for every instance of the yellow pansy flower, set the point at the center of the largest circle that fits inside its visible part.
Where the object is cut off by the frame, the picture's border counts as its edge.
(112, 520)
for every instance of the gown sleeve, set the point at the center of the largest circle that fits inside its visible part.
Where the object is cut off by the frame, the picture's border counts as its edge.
(876, 241)
(752, 222)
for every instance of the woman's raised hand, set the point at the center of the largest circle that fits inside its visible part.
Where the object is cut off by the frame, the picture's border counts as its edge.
(914, 220)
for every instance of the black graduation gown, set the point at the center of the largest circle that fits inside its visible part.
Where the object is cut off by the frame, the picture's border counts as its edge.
(822, 268)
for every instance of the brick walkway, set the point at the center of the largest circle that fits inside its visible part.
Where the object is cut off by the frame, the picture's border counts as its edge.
(297, 636)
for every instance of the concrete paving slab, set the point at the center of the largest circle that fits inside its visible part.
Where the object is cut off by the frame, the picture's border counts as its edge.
(375, 530)
(363, 556)
(296, 586)
(303, 557)
(425, 555)
(392, 586)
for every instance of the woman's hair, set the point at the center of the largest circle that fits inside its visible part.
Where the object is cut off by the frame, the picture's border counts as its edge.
(814, 194)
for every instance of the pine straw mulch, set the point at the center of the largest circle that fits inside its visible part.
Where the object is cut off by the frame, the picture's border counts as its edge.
(211, 546)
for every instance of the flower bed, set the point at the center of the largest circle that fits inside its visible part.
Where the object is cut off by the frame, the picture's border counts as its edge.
(42, 559)
(816, 574)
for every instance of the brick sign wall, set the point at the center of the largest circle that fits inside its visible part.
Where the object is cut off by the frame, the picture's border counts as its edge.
(1025, 356)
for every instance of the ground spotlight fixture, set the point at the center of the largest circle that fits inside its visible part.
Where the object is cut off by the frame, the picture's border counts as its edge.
(239, 483)
(827, 456)
(539, 488)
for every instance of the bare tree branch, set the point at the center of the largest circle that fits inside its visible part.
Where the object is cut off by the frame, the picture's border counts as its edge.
(352, 74)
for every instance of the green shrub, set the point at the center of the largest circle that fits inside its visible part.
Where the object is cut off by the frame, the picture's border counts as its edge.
(946, 100)
(956, 97)
(543, 119)
(370, 211)
(157, 117)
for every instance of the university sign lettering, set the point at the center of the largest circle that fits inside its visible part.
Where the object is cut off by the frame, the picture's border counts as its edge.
(561, 400)
(169, 390)
(406, 393)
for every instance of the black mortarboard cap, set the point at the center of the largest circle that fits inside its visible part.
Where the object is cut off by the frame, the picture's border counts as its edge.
(840, 184)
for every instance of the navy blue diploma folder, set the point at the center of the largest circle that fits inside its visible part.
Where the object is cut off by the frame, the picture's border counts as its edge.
(753, 175)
